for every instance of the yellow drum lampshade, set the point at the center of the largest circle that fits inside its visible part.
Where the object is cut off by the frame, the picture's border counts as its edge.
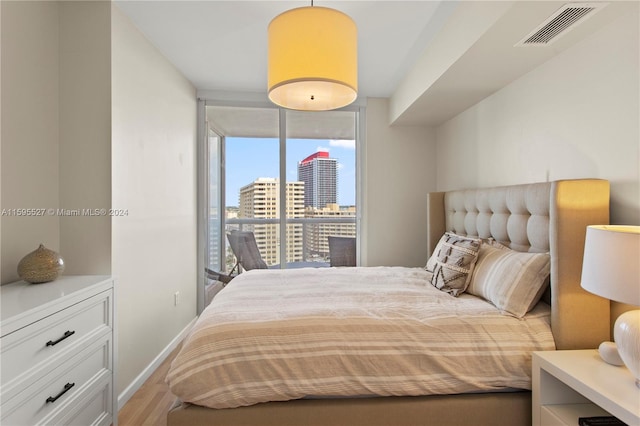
(313, 59)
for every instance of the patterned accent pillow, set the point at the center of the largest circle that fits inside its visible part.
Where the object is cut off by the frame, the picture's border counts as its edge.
(494, 243)
(513, 281)
(452, 262)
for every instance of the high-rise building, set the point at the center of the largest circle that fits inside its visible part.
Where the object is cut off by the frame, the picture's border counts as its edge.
(261, 200)
(320, 176)
(317, 232)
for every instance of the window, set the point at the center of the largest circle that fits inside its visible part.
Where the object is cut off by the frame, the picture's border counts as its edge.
(250, 151)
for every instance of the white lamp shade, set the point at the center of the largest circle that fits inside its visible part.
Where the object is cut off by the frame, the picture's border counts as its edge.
(312, 59)
(611, 263)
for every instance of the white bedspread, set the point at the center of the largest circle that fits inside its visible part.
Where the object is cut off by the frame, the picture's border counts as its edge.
(280, 335)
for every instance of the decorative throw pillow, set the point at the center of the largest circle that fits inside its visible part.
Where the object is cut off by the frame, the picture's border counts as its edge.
(494, 243)
(452, 262)
(513, 281)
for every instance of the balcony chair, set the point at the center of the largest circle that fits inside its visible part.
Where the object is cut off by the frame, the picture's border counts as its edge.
(218, 276)
(342, 251)
(245, 249)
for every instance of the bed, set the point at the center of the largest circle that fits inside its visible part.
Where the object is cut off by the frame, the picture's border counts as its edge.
(548, 217)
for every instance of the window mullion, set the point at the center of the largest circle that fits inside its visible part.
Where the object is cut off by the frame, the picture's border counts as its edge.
(283, 186)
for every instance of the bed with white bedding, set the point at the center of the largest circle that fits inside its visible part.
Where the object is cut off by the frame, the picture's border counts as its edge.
(381, 331)
(386, 345)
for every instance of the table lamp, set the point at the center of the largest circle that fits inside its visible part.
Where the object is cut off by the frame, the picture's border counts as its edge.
(610, 269)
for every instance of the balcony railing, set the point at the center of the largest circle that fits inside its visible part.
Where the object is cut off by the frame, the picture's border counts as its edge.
(310, 248)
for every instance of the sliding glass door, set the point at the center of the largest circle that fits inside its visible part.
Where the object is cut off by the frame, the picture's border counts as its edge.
(210, 210)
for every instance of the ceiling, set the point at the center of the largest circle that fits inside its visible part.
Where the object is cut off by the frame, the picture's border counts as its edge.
(222, 45)
(432, 59)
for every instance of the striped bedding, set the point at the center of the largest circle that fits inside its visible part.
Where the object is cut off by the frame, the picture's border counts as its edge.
(335, 332)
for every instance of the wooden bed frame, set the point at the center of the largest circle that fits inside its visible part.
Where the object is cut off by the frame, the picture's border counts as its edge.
(540, 217)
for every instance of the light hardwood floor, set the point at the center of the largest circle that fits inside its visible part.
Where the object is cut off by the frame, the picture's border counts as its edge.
(150, 404)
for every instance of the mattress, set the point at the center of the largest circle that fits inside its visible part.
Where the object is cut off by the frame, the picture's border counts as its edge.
(274, 335)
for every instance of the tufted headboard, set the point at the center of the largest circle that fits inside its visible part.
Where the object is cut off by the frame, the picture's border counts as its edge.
(539, 217)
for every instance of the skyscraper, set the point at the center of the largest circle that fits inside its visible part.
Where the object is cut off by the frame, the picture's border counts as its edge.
(261, 200)
(320, 176)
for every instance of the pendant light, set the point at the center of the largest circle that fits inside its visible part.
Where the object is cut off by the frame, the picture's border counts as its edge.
(313, 59)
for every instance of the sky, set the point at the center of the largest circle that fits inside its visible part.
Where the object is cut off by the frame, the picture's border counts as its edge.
(250, 158)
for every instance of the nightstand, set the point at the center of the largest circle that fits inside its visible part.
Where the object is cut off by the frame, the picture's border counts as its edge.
(57, 352)
(578, 383)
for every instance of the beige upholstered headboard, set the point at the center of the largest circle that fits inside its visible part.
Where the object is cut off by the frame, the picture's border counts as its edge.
(540, 217)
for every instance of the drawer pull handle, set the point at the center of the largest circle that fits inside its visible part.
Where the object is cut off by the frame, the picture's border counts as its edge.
(62, 392)
(64, 336)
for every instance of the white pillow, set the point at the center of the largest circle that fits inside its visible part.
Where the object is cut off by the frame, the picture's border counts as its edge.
(513, 281)
(452, 262)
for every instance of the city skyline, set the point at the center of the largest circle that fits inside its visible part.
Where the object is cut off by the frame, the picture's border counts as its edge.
(248, 159)
(302, 242)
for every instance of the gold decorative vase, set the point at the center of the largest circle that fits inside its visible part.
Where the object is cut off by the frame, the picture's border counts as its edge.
(40, 266)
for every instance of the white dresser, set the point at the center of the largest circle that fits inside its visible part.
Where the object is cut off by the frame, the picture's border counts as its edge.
(56, 352)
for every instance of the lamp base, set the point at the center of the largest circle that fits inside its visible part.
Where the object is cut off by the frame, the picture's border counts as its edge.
(626, 333)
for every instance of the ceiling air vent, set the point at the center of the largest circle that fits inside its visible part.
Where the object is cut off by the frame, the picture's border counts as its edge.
(560, 23)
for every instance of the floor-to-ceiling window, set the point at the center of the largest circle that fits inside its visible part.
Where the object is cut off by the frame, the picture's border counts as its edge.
(251, 151)
(321, 160)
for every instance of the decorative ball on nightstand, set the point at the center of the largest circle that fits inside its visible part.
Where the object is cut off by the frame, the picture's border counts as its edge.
(609, 352)
(40, 266)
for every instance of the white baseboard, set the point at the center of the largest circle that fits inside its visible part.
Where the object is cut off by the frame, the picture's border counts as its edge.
(146, 373)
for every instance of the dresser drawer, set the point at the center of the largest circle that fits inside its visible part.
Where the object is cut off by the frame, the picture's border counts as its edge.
(60, 389)
(56, 335)
(93, 407)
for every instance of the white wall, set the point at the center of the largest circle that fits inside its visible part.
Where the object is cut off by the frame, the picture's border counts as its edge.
(94, 117)
(56, 134)
(398, 172)
(575, 116)
(154, 179)
(29, 128)
(85, 135)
